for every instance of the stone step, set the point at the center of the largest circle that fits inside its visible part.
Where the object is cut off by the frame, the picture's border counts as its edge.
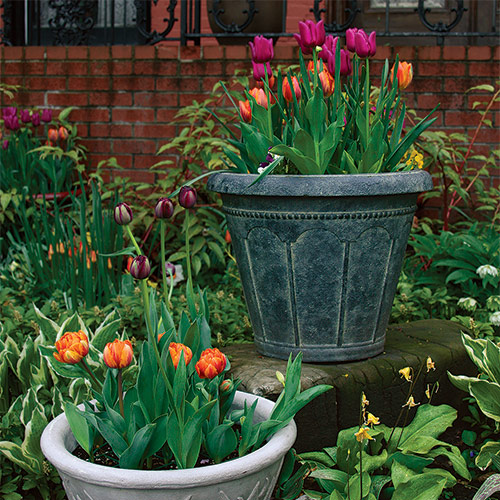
(407, 344)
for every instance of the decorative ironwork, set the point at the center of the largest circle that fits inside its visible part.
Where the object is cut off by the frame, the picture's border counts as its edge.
(72, 21)
(335, 27)
(143, 8)
(217, 10)
(440, 27)
(7, 23)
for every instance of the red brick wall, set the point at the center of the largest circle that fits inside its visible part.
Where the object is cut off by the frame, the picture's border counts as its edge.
(127, 96)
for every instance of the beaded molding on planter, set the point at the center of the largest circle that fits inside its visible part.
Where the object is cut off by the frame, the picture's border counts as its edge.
(318, 216)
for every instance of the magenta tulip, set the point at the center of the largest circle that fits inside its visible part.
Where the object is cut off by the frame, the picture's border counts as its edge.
(359, 42)
(310, 35)
(25, 116)
(46, 115)
(10, 111)
(262, 49)
(35, 119)
(259, 70)
(11, 122)
(328, 48)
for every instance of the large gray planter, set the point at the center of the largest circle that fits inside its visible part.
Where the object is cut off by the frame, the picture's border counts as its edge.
(252, 477)
(319, 257)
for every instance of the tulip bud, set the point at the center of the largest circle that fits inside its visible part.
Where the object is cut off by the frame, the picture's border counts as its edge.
(260, 96)
(404, 74)
(175, 350)
(164, 209)
(226, 386)
(211, 363)
(118, 354)
(140, 268)
(327, 83)
(5, 144)
(72, 347)
(287, 92)
(187, 197)
(53, 135)
(46, 115)
(245, 111)
(63, 133)
(123, 214)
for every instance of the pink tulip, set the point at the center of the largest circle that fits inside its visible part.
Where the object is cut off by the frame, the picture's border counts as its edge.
(262, 49)
(359, 42)
(310, 35)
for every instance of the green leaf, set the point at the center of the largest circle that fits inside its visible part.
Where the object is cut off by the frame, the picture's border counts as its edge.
(305, 165)
(488, 450)
(106, 331)
(221, 442)
(454, 456)
(83, 432)
(487, 395)
(420, 487)
(134, 455)
(490, 486)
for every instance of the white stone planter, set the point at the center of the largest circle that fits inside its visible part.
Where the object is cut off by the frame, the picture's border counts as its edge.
(252, 477)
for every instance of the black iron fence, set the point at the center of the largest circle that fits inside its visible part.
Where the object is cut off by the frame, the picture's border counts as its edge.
(130, 22)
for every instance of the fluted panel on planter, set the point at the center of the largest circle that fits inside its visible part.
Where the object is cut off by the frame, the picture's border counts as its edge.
(368, 265)
(270, 284)
(314, 255)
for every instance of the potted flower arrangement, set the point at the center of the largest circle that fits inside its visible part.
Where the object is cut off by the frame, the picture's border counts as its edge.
(151, 422)
(320, 242)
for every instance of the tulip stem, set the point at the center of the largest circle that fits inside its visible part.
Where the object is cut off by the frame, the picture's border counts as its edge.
(133, 240)
(188, 255)
(87, 368)
(171, 289)
(367, 101)
(315, 70)
(163, 270)
(269, 120)
(120, 392)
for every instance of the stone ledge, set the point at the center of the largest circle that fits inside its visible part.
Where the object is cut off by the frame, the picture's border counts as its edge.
(407, 344)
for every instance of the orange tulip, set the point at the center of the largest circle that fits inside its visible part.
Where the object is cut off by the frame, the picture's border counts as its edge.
(175, 350)
(72, 347)
(227, 236)
(50, 252)
(226, 386)
(404, 74)
(245, 111)
(129, 263)
(63, 133)
(327, 82)
(118, 354)
(211, 363)
(93, 256)
(287, 91)
(110, 264)
(260, 96)
(53, 135)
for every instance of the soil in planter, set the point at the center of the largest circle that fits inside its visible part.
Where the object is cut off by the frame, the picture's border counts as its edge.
(104, 455)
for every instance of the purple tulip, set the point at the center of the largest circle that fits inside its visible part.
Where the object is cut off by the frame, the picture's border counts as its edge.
(5, 144)
(259, 70)
(359, 42)
(310, 35)
(35, 119)
(25, 116)
(187, 197)
(328, 48)
(46, 115)
(164, 209)
(123, 214)
(10, 111)
(140, 268)
(345, 63)
(262, 49)
(11, 122)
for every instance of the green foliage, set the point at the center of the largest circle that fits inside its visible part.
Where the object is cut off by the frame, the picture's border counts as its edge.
(485, 389)
(62, 248)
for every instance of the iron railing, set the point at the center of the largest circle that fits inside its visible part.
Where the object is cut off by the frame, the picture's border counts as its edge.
(110, 22)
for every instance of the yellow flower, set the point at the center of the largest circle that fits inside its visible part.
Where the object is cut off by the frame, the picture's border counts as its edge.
(372, 419)
(362, 434)
(364, 401)
(430, 364)
(411, 403)
(428, 392)
(280, 377)
(406, 373)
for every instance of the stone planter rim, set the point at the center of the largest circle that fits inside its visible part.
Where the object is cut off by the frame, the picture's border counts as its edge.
(387, 183)
(57, 435)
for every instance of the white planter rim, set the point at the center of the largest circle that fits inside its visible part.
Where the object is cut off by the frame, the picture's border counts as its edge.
(57, 439)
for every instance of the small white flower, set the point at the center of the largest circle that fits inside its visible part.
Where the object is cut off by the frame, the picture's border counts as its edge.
(261, 169)
(467, 303)
(493, 302)
(495, 318)
(483, 271)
